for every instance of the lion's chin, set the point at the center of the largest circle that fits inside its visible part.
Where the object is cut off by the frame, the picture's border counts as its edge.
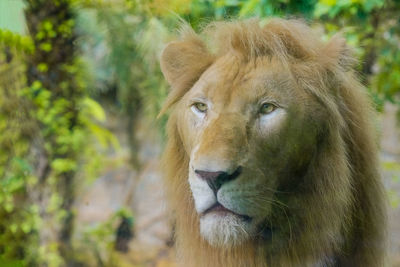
(225, 229)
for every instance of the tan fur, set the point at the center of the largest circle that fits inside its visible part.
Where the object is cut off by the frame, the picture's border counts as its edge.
(333, 207)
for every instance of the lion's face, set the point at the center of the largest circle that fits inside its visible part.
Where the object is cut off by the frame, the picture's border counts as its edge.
(271, 158)
(242, 125)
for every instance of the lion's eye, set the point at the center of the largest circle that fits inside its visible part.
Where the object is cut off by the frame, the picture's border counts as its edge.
(267, 108)
(201, 107)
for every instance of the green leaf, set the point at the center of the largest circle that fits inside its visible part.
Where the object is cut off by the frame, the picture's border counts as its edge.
(26, 227)
(94, 109)
(42, 67)
(248, 8)
(321, 9)
(328, 2)
(47, 25)
(9, 206)
(46, 47)
(104, 136)
(63, 165)
(371, 4)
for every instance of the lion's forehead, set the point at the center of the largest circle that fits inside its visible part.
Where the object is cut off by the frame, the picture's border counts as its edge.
(230, 80)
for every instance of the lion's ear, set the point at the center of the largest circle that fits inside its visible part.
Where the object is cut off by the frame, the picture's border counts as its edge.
(339, 53)
(182, 63)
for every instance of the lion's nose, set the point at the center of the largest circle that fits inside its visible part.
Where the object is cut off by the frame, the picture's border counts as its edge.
(216, 179)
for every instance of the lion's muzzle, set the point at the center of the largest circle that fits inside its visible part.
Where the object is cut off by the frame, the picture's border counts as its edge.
(215, 179)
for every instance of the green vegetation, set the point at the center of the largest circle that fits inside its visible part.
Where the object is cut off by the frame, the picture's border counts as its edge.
(82, 57)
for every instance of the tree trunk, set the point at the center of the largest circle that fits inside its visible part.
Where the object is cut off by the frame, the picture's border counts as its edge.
(52, 70)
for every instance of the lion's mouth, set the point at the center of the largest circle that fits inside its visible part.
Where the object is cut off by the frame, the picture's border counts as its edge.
(218, 208)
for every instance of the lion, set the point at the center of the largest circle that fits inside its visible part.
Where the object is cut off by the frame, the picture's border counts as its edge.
(271, 155)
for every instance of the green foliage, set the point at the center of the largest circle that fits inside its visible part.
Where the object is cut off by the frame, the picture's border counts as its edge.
(373, 27)
(126, 51)
(19, 42)
(130, 61)
(48, 127)
(19, 218)
(99, 240)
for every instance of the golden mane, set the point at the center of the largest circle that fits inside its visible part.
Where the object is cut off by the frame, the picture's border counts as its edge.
(342, 195)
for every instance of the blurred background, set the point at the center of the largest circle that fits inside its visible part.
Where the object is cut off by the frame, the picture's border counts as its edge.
(80, 88)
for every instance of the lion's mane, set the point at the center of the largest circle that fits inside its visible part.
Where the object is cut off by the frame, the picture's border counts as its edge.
(336, 214)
